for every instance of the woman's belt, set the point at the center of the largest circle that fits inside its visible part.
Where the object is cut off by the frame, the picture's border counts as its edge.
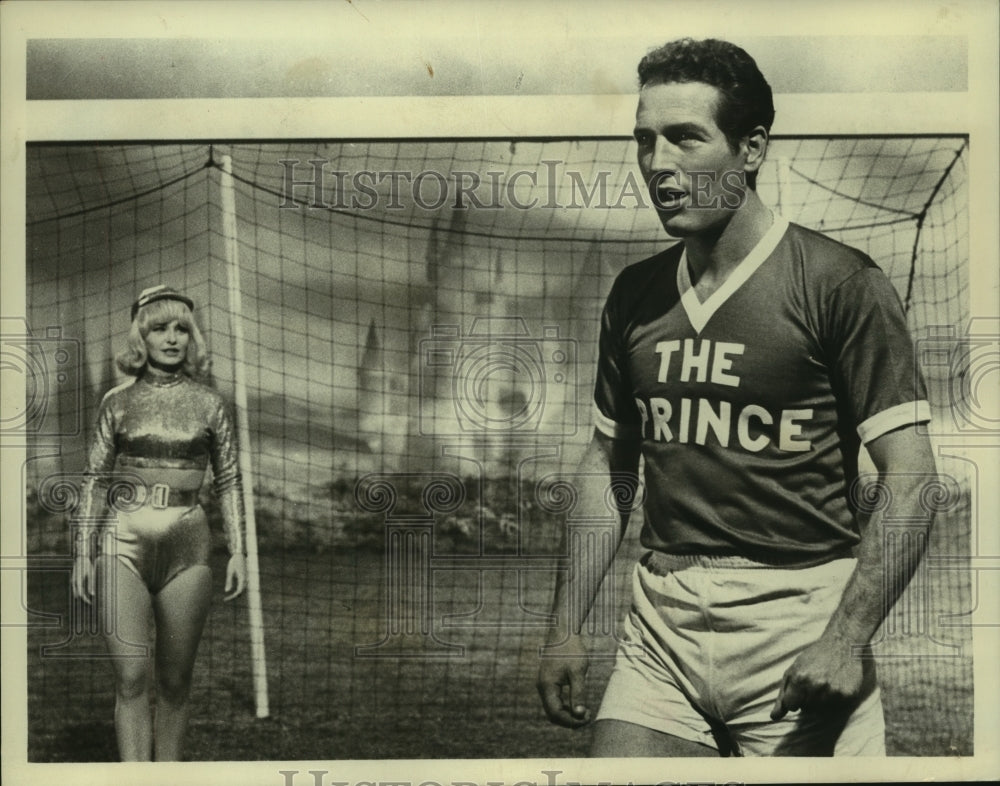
(153, 495)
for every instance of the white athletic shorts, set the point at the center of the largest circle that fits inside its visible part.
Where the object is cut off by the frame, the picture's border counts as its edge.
(706, 646)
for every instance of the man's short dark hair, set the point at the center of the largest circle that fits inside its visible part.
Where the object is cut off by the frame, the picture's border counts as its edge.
(746, 100)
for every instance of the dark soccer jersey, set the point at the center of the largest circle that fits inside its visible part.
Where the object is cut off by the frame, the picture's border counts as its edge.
(752, 406)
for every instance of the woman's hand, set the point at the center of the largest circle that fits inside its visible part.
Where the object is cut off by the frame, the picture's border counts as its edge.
(82, 579)
(236, 576)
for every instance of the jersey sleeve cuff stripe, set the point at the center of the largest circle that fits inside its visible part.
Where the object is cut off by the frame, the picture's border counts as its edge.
(611, 428)
(908, 414)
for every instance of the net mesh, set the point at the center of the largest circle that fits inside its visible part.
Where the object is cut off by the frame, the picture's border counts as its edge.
(423, 314)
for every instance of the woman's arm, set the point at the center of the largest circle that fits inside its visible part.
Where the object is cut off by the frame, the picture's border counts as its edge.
(228, 484)
(91, 515)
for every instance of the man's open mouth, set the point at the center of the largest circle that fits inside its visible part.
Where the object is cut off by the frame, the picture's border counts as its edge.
(667, 197)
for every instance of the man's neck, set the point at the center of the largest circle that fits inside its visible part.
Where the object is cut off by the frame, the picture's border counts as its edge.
(715, 254)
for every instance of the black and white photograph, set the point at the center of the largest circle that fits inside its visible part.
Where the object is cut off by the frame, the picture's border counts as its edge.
(500, 393)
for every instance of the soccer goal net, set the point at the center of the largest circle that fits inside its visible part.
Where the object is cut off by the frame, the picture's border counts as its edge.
(417, 325)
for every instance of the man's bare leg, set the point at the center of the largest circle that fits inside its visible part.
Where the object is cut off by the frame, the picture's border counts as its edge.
(614, 738)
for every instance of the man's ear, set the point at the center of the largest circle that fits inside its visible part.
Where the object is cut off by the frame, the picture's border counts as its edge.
(755, 148)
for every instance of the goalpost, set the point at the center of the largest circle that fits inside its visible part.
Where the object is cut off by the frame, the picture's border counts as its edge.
(254, 610)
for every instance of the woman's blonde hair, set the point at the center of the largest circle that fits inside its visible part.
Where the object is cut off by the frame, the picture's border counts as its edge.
(132, 359)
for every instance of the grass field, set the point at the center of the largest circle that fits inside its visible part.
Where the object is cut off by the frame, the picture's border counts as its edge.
(328, 704)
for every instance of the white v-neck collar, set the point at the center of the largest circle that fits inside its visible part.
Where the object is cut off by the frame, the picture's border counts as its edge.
(699, 313)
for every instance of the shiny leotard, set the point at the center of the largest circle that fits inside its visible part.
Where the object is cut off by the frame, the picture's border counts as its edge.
(154, 438)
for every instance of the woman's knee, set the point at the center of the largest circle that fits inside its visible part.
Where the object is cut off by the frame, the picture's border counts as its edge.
(173, 684)
(132, 682)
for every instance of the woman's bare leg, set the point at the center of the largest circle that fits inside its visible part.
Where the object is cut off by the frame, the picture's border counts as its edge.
(126, 615)
(181, 608)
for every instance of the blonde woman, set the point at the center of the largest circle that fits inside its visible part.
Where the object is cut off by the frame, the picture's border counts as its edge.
(155, 436)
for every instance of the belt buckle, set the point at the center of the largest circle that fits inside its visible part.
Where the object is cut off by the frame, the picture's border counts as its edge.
(159, 496)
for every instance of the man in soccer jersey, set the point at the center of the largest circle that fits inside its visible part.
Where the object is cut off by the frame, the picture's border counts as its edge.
(746, 366)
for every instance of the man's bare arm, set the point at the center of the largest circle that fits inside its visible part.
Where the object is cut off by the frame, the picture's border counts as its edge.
(829, 671)
(561, 677)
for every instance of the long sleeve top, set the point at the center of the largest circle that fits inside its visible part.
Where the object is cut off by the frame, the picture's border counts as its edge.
(162, 430)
